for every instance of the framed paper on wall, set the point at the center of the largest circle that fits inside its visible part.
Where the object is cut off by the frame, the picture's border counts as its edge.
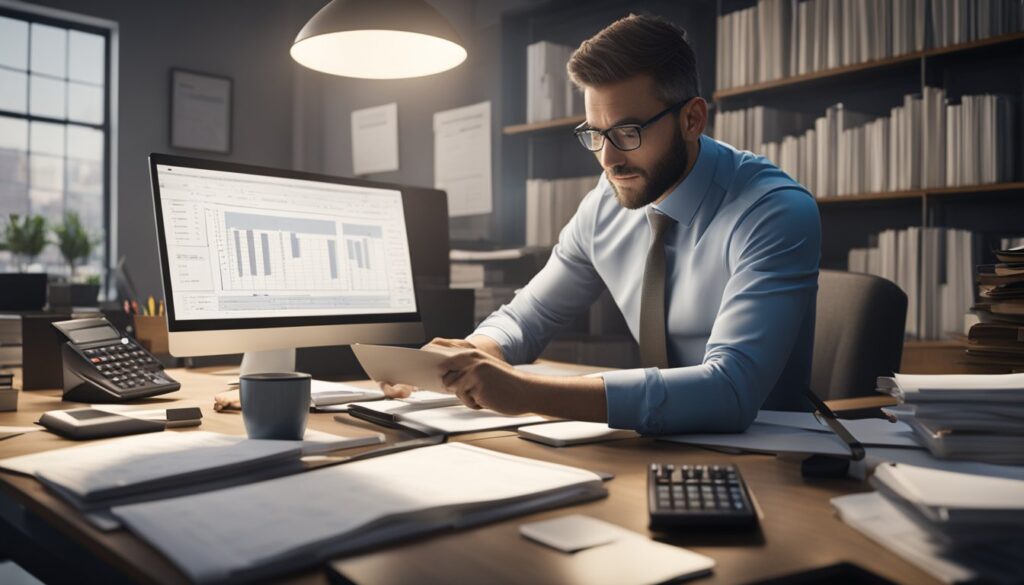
(200, 111)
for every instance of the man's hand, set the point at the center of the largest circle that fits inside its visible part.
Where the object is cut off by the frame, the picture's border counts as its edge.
(476, 342)
(481, 380)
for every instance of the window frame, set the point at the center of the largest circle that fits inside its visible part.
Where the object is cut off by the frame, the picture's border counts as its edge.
(109, 31)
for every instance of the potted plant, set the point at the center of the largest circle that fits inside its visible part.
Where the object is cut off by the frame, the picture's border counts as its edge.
(75, 245)
(25, 238)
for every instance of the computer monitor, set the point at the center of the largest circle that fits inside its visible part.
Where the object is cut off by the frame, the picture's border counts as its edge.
(265, 260)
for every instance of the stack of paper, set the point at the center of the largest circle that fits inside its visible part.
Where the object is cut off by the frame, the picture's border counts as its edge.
(96, 476)
(323, 393)
(998, 340)
(260, 530)
(440, 418)
(956, 526)
(977, 417)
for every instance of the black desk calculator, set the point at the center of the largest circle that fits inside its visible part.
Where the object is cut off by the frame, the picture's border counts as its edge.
(692, 496)
(102, 365)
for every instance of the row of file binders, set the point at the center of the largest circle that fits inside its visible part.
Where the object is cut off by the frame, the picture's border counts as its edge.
(926, 142)
(997, 341)
(783, 38)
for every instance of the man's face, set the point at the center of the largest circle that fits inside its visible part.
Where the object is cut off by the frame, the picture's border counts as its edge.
(640, 176)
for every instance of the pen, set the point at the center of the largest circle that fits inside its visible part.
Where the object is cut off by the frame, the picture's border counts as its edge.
(161, 309)
(151, 304)
(127, 307)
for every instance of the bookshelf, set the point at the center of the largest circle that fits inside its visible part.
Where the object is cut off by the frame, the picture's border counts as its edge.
(992, 65)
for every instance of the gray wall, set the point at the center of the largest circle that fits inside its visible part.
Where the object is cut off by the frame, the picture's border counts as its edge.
(246, 40)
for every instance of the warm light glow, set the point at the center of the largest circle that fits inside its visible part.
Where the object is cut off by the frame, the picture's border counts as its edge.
(378, 54)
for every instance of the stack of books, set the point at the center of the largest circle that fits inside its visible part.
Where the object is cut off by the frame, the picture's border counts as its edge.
(928, 141)
(973, 417)
(783, 38)
(998, 339)
(549, 92)
(495, 275)
(933, 266)
(959, 527)
(10, 340)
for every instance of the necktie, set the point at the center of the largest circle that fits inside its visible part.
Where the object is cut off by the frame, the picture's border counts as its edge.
(653, 347)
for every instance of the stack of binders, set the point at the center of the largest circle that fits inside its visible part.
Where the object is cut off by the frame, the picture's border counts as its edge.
(957, 526)
(998, 340)
(972, 417)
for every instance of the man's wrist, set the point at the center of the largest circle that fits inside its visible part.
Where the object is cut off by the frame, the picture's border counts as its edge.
(487, 345)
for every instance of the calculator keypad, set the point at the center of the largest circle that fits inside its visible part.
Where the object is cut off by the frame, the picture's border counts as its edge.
(126, 365)
(697, 495)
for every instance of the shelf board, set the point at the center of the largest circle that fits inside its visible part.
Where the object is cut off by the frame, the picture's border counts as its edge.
(569, 122)
(878, 64)
(920, 193)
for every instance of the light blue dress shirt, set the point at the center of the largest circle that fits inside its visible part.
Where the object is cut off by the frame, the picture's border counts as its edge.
(742, 280)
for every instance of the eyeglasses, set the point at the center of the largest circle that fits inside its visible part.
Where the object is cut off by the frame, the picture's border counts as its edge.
(625, 136)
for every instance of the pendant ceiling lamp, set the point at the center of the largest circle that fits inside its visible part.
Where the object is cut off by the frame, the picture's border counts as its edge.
(378, 39)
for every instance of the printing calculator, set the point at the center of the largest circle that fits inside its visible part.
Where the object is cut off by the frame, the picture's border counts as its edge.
(100, 365)
(698, 496)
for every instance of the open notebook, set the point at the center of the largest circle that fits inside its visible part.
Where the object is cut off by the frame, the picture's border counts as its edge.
(264, 529)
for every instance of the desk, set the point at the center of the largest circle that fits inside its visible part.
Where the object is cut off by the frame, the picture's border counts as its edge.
(798, 530)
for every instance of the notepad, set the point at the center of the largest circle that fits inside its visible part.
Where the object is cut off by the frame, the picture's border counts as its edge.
(262, 530)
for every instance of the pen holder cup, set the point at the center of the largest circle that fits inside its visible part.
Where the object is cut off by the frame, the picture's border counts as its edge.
(151, 332)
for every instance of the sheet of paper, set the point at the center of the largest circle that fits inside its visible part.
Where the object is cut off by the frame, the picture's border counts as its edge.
(375, 139)
(214, 535)
(400, 365)
(869, 431)
(316, 442)
(910, 383)
(573, 432)
(571, 533)
(762, 438)
(462, 158)
(123, 462)
(951, 489)
(324, 393)
(462, 419)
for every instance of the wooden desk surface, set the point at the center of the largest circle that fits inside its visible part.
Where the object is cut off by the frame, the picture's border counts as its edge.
(798, 529)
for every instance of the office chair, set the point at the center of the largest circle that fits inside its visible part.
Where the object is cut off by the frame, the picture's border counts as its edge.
(861, 320)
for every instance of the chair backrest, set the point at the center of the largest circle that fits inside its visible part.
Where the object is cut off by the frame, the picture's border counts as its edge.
(861, 321)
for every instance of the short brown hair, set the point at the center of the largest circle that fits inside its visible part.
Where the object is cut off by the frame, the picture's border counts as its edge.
(634, 45)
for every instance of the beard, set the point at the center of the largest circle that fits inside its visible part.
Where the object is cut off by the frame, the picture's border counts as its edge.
(666, 173)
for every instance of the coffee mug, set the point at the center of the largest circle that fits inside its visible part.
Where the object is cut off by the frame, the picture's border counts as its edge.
(275, 406)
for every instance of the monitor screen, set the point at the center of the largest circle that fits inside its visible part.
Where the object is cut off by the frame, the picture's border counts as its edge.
(246, 246)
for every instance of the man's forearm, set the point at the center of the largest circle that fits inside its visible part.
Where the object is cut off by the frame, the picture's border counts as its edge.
(570, 398)
(487, 345)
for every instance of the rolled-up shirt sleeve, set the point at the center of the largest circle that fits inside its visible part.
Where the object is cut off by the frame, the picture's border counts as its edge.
(566, 286)
(773, 254)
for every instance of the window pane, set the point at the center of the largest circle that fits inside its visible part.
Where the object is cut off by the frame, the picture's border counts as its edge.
(85, 103)
(13, 135)
(46, 172)
(89, 207)
(46, 97)
(49, 204)
(86, 59)
(13, 43)
(13, 88)
(46, 138)
(49, 50)
(85, 144)
(13, 199)
(86, 177)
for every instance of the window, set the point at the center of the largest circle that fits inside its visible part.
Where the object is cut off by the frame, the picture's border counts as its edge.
(55, 138)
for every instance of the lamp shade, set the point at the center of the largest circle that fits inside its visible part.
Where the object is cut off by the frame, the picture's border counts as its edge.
(378, 39)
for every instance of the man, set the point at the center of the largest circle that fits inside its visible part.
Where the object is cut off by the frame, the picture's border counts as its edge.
(710, 253)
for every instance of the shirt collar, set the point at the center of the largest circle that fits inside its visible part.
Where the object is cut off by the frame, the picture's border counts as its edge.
(684, 201)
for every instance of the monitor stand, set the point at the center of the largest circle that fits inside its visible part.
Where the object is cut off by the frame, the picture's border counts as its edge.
(267, 362)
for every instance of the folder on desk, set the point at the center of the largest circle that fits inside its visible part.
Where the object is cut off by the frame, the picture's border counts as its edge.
(430, 419)
(261, 530)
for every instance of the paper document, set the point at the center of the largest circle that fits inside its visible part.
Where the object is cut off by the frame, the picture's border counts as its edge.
(138, 463)
(375, 139)
(400, 365)
(260, 530)
(323, 393)
(910, 383)
(317, 442)
(449, 419)
(762, 438)
(462, 158)
(949, 496)
(869, 431)
(873, 515)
